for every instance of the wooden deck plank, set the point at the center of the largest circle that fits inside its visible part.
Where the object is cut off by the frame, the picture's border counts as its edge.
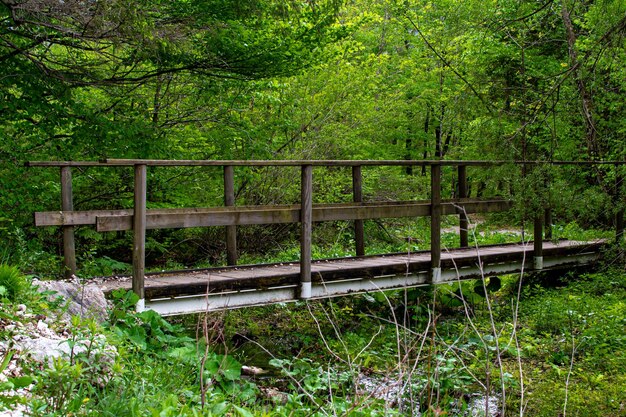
(267, 276)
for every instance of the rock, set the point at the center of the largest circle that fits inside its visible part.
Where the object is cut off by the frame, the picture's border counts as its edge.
(44, 349)
(274, 395)
(86, 301)
(252, 370)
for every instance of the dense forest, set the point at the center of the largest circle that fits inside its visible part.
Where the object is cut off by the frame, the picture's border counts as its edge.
(504, 80)
(493, 80)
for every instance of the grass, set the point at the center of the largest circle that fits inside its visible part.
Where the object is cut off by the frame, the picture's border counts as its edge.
(13, 285)
(563, 352)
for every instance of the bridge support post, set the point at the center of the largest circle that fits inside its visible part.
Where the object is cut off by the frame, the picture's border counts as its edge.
(619, 216)
(306, 221)
(538, 242)
(547, 211)
(435, 221)
(139, 234)
(463, 220)
(67, 204)
(547, 221)
(229, 201)
(357, 197)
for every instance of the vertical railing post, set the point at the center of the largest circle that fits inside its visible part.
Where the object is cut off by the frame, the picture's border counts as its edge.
(435, 221)
(67, 204)
(538, 215)
(547, 211)
(306, 221)
(357, 197)
(139, 234)
(463, 220)
(538, 242)
(229, 201)
(619, 216)
(547, 221)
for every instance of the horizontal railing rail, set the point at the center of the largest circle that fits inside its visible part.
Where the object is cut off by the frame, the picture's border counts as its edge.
(295, 163)
(140, 218)
(120, 220)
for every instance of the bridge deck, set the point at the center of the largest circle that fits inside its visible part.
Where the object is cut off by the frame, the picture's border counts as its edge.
(230, 287)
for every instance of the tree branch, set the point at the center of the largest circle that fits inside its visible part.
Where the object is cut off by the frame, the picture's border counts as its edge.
(447, 64)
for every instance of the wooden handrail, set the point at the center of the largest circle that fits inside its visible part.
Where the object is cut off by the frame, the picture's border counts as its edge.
(118, 220)
(326, 163)
(139, 219)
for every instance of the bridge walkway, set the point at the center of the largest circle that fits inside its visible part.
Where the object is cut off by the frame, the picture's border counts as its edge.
(238, 286)
(178, 292)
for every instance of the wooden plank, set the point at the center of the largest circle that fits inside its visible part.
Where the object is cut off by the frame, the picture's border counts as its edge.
(435, 217)
(463, 220)
(64, 164)
(474, 205)
(225, 216)
(139, 231)
(322, 212)
(357, 197)
(619, 215)
(547, 221)
(252, 163)
(538, 237)
(303, 162)
(220, 279)
(306, 221)
(75, 218)
(229, 201)
(329, 163)
(67, 204)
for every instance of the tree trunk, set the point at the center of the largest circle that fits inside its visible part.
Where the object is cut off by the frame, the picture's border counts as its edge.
(586, 98)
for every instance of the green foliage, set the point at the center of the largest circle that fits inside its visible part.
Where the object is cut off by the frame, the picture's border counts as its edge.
(148, 332)
(12, 383)
(320, 80)
(13, 284)
(312, 379)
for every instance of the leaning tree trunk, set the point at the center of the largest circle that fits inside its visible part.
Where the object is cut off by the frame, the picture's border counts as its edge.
(591, 133)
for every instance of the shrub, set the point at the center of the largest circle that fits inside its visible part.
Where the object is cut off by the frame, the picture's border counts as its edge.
(13, 284)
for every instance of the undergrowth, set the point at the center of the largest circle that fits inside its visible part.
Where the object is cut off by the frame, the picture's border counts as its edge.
(456, 349)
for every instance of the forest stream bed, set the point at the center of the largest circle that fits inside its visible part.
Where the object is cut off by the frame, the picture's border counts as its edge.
(420, 352)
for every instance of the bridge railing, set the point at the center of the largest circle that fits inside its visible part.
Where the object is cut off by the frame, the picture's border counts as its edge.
(140, 218)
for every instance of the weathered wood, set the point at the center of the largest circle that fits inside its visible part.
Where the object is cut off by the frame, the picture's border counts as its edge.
(463, 220)
(619, 197)
(306, 220)
(547, 221)
(435, 219)
(139, 231)
(47, 164)
(538, 242)
(301, 163)
(216, 280)
(357, 197)
(224, 216)
(241, 215)
(229, 201)
(75, 218)
(160, 162)
(67, 204)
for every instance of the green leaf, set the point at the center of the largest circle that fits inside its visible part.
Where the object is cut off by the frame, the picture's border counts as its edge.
(21, 382)
(186, 354)
(220, 408)
(242, 411)
(230, 368)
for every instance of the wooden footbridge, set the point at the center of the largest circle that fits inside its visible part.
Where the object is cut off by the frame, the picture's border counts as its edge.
(179, 292)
